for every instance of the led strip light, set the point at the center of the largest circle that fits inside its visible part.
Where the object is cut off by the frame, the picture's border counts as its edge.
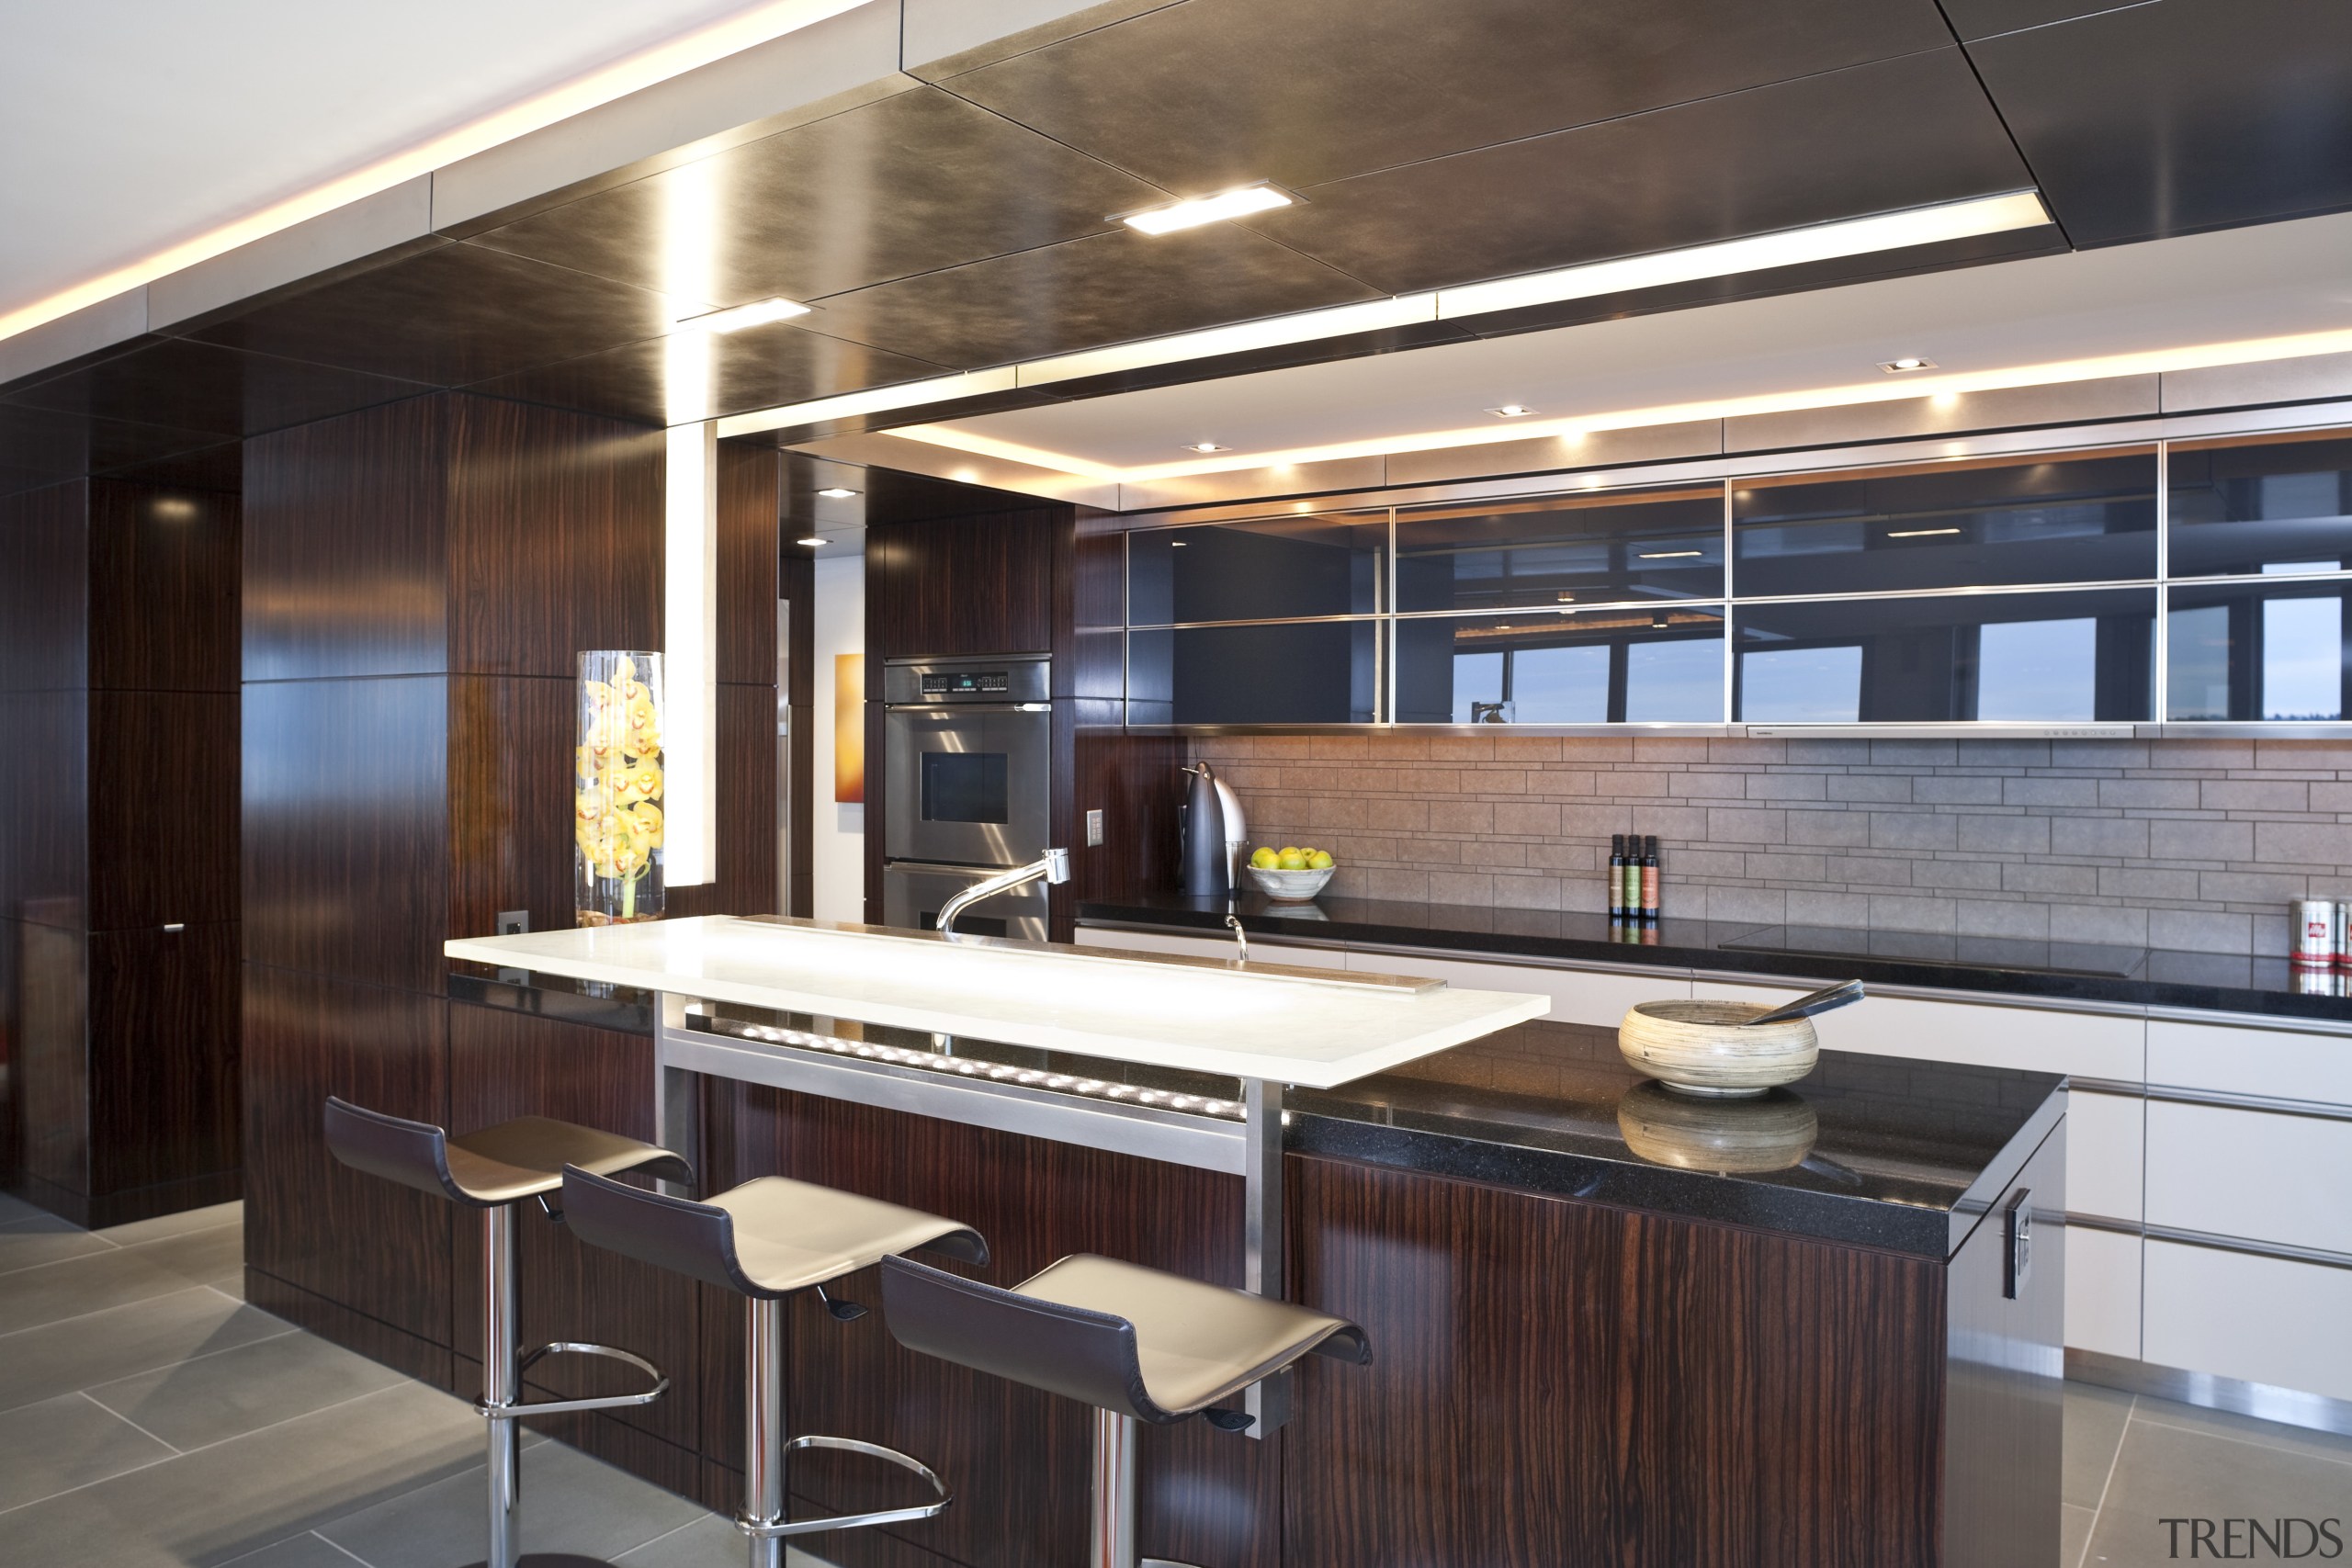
(993, 1072)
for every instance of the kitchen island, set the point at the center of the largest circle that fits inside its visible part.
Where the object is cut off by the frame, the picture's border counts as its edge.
(1608, 1325)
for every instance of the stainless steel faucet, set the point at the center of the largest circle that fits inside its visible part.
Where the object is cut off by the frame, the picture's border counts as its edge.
(1054, 866)
(1233, 923)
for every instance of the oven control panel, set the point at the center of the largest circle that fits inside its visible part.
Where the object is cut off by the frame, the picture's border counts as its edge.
(1003, 678)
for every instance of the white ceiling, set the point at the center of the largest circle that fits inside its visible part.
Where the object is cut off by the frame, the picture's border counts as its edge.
(127, 126)
(2273, 280)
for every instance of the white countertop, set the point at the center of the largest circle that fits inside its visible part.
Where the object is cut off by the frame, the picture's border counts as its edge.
(1294, 1029)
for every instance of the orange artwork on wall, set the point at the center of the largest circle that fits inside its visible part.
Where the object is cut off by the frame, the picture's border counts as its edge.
(849, 729)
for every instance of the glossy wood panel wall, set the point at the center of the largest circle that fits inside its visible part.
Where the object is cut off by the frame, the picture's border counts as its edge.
(419, 581)
(1698, 1394)
(120, 701)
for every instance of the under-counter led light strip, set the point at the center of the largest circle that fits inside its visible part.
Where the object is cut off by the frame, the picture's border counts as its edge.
(994, 1072)
(1820, 241)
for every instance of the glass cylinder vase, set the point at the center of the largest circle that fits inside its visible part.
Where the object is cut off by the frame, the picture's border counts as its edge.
(617, 785)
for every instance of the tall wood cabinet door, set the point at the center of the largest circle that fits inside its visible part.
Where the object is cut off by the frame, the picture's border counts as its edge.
(2003, 1406)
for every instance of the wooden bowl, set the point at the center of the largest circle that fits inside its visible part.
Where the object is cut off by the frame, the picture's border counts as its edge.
(1290, 887)
(1772, 1132)
(1697, 1047)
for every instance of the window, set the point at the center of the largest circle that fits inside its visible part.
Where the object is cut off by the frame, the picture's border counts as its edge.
(1802, 685)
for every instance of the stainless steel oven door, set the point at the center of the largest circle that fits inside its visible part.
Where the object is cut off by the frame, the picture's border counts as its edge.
(912, 894)
(968, 785)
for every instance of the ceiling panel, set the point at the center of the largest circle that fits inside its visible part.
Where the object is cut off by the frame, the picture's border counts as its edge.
(1982, 19)
(41, 447)
(913, 182)
(653, 381)
(1215, 93)
(2182, 115)
(203, 385)
(451, 316)
(1895, 133)
(1106, 288)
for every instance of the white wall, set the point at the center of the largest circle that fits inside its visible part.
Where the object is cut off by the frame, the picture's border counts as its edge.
(837, 843)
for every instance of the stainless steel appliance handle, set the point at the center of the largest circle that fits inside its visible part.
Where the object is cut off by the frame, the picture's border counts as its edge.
(967, 708)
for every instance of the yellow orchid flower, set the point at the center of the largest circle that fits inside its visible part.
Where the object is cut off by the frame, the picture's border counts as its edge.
(649, 824)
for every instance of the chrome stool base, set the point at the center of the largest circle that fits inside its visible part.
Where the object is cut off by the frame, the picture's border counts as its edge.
(501, 1403)
(776, 1530)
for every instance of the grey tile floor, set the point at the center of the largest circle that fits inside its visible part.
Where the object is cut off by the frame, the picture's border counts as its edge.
(149, 1418)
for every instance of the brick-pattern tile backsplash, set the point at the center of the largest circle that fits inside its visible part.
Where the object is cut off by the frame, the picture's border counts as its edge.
(2194, 844)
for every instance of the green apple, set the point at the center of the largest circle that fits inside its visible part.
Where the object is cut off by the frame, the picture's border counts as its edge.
(1292, 861)
(1265, 859)
(1319, 860)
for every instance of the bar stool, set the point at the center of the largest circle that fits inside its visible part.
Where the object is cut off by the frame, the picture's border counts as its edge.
(766, 1240)
(1136, 1344)
(493, 1170)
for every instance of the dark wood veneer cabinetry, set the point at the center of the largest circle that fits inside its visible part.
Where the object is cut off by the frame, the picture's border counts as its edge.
(118, 695)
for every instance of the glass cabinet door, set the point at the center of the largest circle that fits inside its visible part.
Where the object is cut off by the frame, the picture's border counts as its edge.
(1969, 524)
(2259, 506)
(2003, 658)
(1606, 547)
(1260, 570)
(1294, 672)
(2258, 650)
(1663, 666)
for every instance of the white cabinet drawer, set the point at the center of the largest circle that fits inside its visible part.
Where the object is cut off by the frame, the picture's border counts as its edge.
(2104, 1147)
(2102, 1291)
(2088, 1045)
(2272, 1063)
(2265, 1320)
(1218, 947)
(1578, 995)
(2253, 1174)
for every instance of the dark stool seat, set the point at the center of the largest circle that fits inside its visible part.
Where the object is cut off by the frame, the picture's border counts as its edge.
(1136, 1343)
(766, 1240)
(504, 1164)
(492, 1171)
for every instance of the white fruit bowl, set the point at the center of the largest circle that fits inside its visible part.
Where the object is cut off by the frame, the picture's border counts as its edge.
(1290, 887)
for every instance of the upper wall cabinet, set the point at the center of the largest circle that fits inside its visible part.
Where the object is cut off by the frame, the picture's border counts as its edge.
(1607, 548)
(2262, 507)
(1961, 524)
(1264, 570)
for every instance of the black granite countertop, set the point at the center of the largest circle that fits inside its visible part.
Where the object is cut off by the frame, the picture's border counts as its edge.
(2086, 972)
(1868, 1150)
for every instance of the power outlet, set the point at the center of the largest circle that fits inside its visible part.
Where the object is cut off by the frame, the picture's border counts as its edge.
(514, 922)
(1093, 828)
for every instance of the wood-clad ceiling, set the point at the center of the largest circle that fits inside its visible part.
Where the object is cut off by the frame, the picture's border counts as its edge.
(964, 222)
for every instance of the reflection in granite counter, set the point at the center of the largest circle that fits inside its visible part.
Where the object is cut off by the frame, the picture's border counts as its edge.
(1900, 1154)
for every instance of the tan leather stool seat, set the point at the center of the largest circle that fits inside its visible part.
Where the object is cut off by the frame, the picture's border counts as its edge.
(504, 1164)
(1118, 1336)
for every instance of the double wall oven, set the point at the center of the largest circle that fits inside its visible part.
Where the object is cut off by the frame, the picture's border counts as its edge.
(967, 758)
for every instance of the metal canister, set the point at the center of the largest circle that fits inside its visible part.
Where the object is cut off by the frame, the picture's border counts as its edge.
(2313, 933)
(2344, 933)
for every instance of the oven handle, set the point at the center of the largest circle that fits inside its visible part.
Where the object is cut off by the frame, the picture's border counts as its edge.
(967, 708)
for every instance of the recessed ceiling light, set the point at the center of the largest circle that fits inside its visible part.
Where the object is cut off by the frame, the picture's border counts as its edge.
(1511, 411)
(743, 316)
(1203, 446)
(1176, 543)
(1917, 532)
(836, 492)
(1205, 209)
(1903, 365)
(812, 541)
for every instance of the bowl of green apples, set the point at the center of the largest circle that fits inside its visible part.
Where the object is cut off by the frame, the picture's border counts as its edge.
(1290, 874)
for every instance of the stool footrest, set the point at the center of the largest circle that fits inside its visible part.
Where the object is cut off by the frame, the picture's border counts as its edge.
(769, 1529)
(566, 1406)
